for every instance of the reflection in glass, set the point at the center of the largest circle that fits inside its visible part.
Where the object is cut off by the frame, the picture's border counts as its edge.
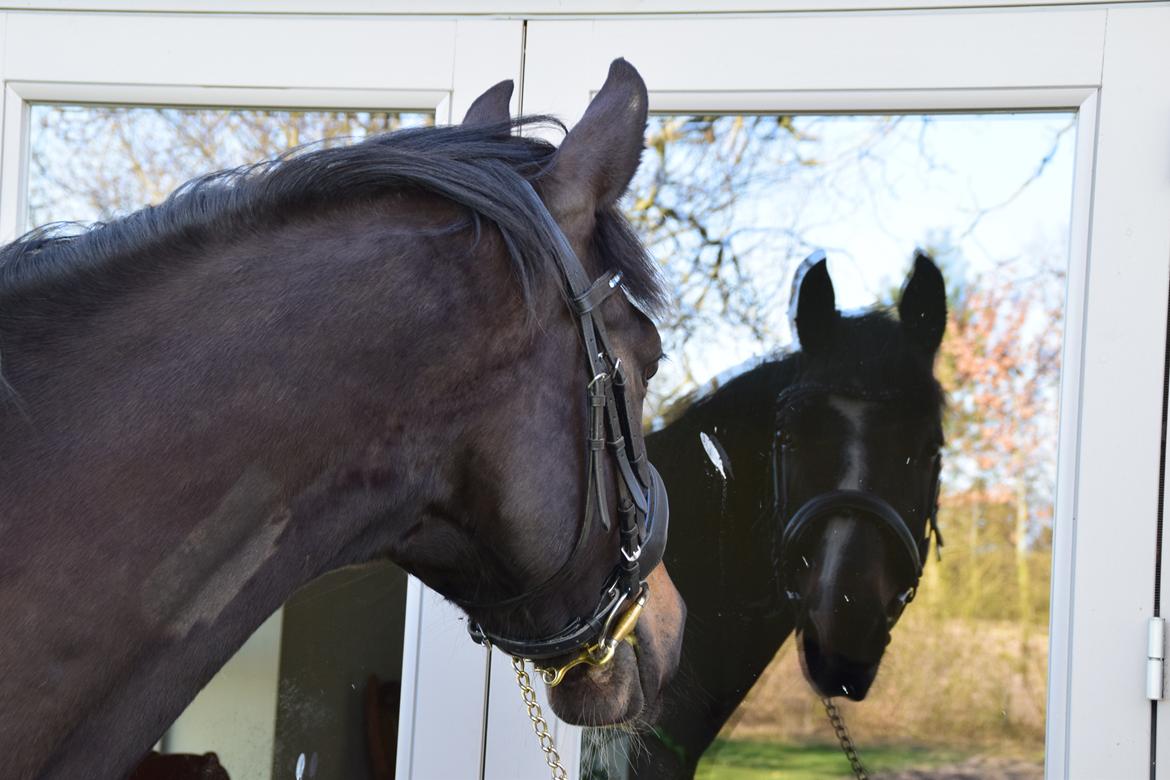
(90, 163)
(731, 205)
(340, 675)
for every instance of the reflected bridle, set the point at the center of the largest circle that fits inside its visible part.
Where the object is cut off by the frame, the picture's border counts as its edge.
(859, 504)
(643, 512)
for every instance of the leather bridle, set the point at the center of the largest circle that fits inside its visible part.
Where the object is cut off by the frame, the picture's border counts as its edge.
(643, 512)
(863, 505)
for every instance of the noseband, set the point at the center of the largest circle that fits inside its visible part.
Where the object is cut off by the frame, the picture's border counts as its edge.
(643, 512)
(859, 504)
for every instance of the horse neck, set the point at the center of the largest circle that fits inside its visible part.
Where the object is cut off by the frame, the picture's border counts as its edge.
(720, 555)
(189, 455)
(721, 509)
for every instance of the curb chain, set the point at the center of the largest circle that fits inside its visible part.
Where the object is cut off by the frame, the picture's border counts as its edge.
(539, 724)
(846, 741)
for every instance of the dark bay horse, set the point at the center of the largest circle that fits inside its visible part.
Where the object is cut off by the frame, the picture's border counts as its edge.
(857, 409)
(345, 355)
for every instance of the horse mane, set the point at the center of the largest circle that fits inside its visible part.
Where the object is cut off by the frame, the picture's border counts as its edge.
(487, 169)
(775, 368)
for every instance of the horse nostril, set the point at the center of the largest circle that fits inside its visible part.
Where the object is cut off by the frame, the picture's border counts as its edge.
(834, 670)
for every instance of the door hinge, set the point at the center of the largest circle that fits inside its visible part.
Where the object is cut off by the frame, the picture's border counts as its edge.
(1155, 659)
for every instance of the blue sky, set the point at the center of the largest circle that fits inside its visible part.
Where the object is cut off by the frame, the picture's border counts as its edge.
(975, 163)
(995, 187)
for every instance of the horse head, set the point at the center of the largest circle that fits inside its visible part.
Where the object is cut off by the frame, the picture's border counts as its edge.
(565, 599)
(428, 347)
(858, 439)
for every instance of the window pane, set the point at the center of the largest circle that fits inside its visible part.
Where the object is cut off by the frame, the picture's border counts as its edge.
(731, 205)
(317, 685)
(90, 163)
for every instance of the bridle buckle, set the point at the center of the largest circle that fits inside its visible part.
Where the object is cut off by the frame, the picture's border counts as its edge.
(602, 652)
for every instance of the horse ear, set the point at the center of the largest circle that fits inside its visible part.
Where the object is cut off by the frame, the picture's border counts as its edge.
(923, 308)
(599, 156)
(816, 308)
(491, 108)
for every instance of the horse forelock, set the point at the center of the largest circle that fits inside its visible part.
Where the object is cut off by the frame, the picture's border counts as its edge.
(872, 357)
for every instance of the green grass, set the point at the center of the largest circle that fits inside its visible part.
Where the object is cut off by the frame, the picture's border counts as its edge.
(749, 760)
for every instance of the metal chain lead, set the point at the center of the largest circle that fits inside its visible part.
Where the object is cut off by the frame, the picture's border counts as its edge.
(539, 724)
(846, 741)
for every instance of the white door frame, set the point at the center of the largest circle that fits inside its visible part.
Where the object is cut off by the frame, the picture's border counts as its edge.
(278, 61)
(1109, 65)
(1107, 62)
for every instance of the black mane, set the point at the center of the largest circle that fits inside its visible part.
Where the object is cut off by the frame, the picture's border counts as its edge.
(485, 168)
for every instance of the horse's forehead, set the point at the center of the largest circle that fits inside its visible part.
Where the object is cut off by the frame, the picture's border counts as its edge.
(854, 411)
(852, 408)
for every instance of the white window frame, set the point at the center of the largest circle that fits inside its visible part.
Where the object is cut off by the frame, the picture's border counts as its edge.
(278, 61)
(1109, 64)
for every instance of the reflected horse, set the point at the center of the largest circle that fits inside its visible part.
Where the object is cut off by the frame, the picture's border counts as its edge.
(344, 355)
(856, 414)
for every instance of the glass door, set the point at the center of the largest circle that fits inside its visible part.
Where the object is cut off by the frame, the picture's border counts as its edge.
(362, 671)
(1025, 148)
(870, 134)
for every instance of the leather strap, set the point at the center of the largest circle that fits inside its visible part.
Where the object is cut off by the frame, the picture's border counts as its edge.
(867, 504)
(583, 631)
(643, 509)
(601, 289)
